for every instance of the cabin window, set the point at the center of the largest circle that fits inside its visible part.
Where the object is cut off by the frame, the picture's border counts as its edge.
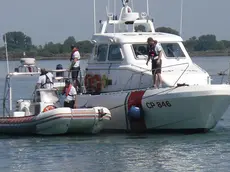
(140, 51)
(172, 50)
(115, 52)
(102, 52)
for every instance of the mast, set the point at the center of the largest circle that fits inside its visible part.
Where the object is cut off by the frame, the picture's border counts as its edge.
(114, 13)
(7, 59)
(147, 6)
(181, 16)
(8, 71)
(108, 6)
(132, 4)
(94, 16)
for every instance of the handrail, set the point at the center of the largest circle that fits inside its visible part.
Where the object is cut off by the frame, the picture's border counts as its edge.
(149, 70)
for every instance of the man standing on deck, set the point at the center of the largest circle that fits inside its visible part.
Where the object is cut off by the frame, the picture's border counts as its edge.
(75, 65)
(154, 53)
(45, 80)
(70, 93)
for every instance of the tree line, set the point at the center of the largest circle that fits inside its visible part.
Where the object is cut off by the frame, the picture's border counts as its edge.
(18, 42)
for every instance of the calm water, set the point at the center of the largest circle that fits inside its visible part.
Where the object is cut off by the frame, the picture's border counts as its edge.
(118, 153)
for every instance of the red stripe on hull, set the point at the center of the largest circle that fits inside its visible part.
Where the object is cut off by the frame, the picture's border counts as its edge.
(20, 120)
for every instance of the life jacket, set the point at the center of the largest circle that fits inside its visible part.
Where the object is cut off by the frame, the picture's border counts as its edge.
(48, 81)
(152, 52)
(74, 50)
(66, 90)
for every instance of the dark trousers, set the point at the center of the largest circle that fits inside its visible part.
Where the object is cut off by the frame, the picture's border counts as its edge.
(69, 104)
(75, 72)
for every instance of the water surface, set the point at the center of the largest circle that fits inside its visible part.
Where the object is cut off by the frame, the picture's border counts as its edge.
(118, 153)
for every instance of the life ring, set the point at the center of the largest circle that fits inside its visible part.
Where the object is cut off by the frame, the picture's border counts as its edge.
(88, 82)
(97, 83)
(49, 107)
(93, 83)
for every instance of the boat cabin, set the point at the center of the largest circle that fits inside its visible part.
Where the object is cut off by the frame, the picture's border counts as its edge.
(118, 60)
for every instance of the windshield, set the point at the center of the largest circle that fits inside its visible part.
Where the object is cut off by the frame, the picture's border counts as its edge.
(140, 51)
(170, 50)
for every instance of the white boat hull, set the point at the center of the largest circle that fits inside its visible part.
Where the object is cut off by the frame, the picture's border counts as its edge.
(57, 121)
(197, 108)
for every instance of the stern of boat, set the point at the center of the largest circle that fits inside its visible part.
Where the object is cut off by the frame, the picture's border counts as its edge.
(89, 120)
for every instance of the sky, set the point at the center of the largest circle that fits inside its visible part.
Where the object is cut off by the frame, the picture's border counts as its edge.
(55, 20)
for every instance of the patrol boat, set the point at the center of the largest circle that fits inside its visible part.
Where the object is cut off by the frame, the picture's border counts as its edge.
(43, 113)
(117, 78)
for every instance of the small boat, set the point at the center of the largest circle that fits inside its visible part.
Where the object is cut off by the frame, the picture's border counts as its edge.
(43, 114)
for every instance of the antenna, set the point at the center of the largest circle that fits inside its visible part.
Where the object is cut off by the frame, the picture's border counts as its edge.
(147, 3)
(132, 4)
(181, 16)
(7, 59)
(108, 5)
(94, 15)
(114, 13)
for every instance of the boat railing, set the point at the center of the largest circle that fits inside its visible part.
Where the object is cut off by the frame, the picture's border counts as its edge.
(142, 73)
(221, 77)
(145, 71)
(7, 101)
(225, 76)
(62, 74)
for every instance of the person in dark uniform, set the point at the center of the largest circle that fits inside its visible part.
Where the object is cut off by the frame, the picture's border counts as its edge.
(155, 53)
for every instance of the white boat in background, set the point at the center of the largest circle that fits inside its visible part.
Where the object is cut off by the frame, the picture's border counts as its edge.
(43, 114)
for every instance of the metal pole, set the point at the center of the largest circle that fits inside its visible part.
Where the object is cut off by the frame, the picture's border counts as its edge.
(132, 4)
(7, 59)
(94, 15)
(114, 13)
(108, 6)
(229, 74)
(10, 98)
(181, 17)
(147, 3)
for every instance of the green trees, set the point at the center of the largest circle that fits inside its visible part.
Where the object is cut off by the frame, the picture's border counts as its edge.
(18, 41)
(202, 43)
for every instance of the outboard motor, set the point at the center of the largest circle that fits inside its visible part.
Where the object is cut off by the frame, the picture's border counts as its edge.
(59, 74)
(23, 105)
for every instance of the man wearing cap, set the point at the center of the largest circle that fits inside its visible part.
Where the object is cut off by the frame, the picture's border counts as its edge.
(45, 80)
(155, 53)
(70, 93)
(75, 64)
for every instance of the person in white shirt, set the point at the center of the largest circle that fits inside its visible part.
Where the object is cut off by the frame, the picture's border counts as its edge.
(70, 93)
(45, 80)
(155, 53)
(75, 64)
